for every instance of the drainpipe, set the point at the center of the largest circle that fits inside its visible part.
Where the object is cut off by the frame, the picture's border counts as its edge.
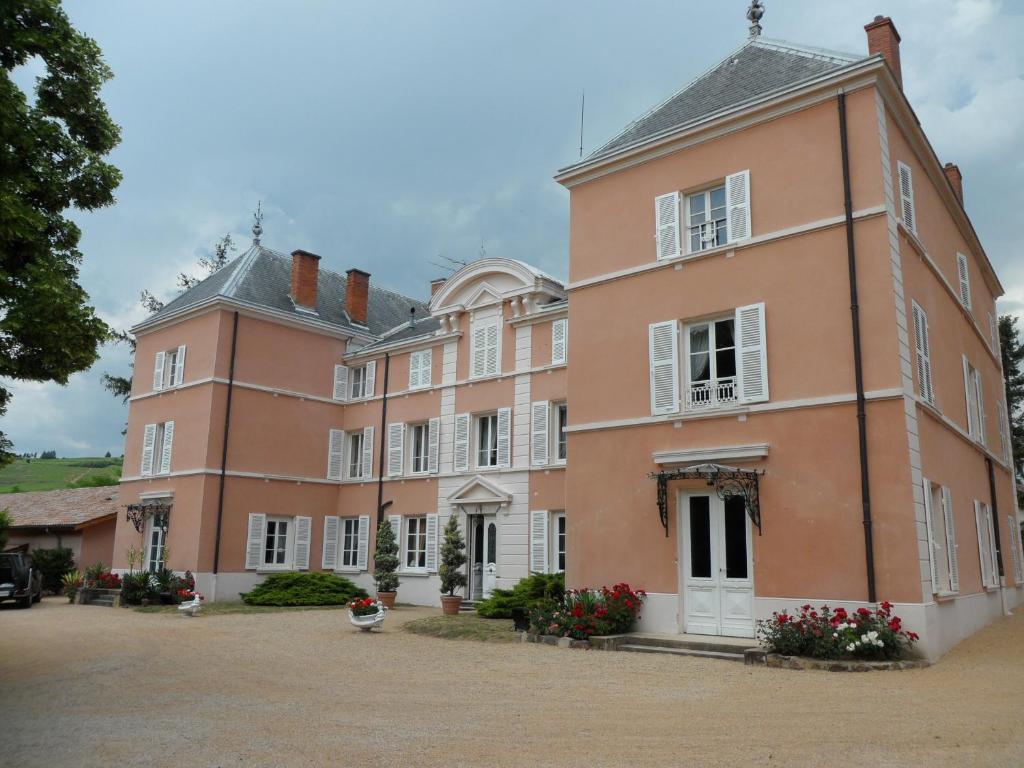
(224, 454)
(380, 471)
(858, 364)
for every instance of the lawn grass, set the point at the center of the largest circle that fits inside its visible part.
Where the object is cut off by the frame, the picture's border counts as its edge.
(465, 626)
(51, 474)
(221, 609)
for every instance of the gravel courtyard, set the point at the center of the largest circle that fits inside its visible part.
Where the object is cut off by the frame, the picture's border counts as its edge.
(90, 686)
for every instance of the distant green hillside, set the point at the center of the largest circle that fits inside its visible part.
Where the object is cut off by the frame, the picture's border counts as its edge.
(50, 474)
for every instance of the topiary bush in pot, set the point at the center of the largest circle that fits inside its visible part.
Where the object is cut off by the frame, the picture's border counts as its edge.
(385, 563)
(453, 557)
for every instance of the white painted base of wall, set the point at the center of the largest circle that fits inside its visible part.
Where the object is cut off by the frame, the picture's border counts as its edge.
(940, 625)
(412, 589)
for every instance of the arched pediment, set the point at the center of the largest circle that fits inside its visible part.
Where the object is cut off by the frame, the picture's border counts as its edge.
(491, 281)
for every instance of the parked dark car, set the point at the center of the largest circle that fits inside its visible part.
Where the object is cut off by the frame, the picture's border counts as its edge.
(19, 580)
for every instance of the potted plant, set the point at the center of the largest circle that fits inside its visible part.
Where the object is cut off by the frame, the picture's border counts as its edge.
(366, 613)
(385, 564)
(453, 557)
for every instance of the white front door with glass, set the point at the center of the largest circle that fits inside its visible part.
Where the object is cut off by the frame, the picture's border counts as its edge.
(717, 573)
(483, 556)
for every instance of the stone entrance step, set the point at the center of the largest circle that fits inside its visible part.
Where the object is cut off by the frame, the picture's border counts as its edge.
(722, 655)
(704, 646)
(468, 606)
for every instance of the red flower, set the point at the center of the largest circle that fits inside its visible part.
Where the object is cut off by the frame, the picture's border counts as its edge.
(895, 624)
(577, 612)
(863, 612)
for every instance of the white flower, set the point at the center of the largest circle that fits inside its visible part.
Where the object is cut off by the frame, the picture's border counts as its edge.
(880, 643)
(865, 638)
(873, 635)
(835, 634)
(851, 647)
(858, 642)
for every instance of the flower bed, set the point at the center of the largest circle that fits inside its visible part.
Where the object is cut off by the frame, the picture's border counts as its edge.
(824, 633)
(584, 613)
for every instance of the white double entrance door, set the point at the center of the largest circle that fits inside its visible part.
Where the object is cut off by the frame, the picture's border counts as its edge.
(483, 555)
(716, 571)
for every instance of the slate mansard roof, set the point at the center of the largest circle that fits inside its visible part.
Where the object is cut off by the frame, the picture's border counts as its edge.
(759, 68)
(262, 277)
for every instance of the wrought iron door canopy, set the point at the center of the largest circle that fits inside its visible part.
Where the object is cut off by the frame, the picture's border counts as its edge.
(727, 482)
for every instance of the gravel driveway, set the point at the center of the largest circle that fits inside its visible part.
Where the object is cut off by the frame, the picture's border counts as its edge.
(90, 686)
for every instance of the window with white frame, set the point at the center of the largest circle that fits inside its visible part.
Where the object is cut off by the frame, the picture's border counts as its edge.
(416, 542)
(1004, 438)
(419, 448)
(562, 433)
(711, 363)
(485, 349)
(420, 363)
(169, 368)
(986, 544)
(975, 402)
(706, 219)
(349, 542)
(156, 542)
(942, 554)
(157, 441)
(357, 383)
(486, 427)
(277, 543)
(558, 542)
(354, 463)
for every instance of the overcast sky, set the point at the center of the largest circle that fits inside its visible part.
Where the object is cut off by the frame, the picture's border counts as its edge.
(383, 134)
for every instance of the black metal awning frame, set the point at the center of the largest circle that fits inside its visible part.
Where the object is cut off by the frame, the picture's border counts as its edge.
(137, 514)
(727, 482)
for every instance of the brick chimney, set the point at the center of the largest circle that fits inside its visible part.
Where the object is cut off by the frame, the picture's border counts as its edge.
(435, 285)
(357, 288)
(956, 180)
(305, 269)
(884, 39)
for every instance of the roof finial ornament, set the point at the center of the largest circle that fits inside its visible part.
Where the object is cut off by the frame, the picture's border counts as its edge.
(754, 14)
(257, 223)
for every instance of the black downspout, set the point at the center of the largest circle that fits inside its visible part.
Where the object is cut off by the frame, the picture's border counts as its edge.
(383, 437)
(224, 449)
(995, 515)
(858, 365)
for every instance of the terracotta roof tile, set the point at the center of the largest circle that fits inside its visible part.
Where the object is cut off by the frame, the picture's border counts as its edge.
(66, 507)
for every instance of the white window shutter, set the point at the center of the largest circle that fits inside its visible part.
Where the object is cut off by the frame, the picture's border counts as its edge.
(666, 227)
(329, 561)
(737, 206)
(493, 362)
(433, 444)
(980, 396)
(148, 443)
(158, 371)
(982, 523)
(303, 534)
(426, 367)
(335, 454)
(954, 568)
(663, 358)
(539, 541)
(420, 368)
(906, 179)
(371, 379)
(165, 457)
(341, 382)
(396, 445)
(752, 353)
(539, 437)
(461, 442)
(432, 543)
(396, 526)
(921, 344)
(504, 437)
(478, 353)
(965, 280)
(179, 366)
(993, 567)
(1004, 441)
(1013, 528)
(254, 540)
(363, 542)
(993, 332)
(414, 370)
(928, 512)
(969, 398)
(367, 457)
(559, 341)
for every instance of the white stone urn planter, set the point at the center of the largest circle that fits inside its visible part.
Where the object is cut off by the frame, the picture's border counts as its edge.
(369, 621)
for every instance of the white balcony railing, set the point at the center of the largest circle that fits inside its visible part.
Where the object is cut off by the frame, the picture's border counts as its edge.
(710, 394)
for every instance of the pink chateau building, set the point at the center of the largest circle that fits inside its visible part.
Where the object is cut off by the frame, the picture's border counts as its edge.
(785, 381)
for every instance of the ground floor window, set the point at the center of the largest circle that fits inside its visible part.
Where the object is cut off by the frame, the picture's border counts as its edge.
(275, 543)
(350, 542)
(559, 540)
(987, 544)
(156, 542)
(416, 542)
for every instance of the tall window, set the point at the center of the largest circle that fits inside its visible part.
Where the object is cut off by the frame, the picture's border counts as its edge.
(943, 538)
(358, 383)
(158, 448)
(560, 541)
(416, 542)
(705, 219)
(711, 363)
(350, 542)
(275, 543)
(975, 402)
(355, 455)
(419, 436)
(487, 440)
(562, 436)
(156, 544)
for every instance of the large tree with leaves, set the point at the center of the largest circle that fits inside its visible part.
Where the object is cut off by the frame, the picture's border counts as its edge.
(52, 150)
(1013, 379)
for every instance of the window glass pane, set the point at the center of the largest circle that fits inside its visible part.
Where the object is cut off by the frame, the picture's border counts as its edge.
(492, 543)
(700, 537)
(724, 334)
(725, 362)
(478, 543)
(694, 240)
(735, 538)
(696, 208)
(563, 416)
(718, 202)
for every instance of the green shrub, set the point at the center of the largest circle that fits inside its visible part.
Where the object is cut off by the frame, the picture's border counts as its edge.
(453, 557)
(536, 589)
(94, 463)
(95, 481)
(139, 586)
(52, 564)
(72, 582)
(315, 588)
(385, 558)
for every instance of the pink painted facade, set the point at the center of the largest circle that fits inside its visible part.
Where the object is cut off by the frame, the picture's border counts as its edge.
(707, 318)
